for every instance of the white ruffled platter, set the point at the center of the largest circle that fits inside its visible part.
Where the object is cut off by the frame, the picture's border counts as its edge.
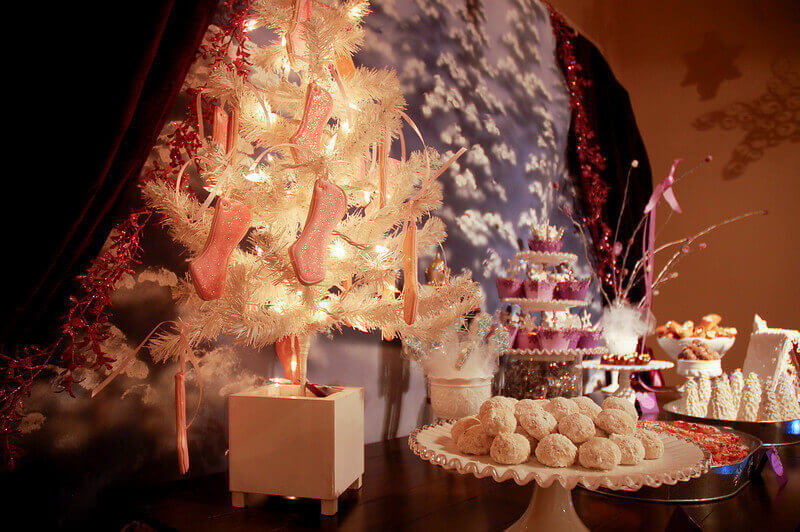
(548, 305)
(551, 505)
(542, 257)
(556, 352)
(652, 365)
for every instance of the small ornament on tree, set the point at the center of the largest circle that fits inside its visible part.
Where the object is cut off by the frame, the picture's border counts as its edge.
(437, 273)
(410, 280)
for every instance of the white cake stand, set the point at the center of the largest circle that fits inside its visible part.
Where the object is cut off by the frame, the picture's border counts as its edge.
(551, 505)
(623, 388)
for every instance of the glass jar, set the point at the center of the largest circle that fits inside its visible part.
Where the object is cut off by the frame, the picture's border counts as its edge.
(457, 398)
(542, 376)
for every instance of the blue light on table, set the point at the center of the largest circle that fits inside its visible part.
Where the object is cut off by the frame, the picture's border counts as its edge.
(793, 427)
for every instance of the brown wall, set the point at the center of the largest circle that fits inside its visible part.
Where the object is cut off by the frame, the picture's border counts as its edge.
(723, 78)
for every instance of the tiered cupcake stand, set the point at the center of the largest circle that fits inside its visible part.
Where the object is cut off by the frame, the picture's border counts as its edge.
(625, 371)
(550, 305)
(551, 505)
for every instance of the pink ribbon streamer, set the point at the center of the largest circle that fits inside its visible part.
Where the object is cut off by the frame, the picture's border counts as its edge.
(662, 190)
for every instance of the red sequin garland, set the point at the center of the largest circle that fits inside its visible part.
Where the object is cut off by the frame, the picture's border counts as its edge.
(590, 159)
(85, 326)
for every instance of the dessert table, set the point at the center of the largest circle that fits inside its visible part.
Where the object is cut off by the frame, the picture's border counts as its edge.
(402, 492)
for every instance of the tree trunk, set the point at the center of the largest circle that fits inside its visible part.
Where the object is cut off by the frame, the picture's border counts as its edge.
(304, 343)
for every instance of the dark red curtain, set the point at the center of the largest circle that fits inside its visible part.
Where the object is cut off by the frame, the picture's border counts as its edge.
(603, 141)
(116, 69)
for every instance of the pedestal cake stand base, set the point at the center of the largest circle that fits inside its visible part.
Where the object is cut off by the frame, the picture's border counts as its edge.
(623, 388)
(550, 509)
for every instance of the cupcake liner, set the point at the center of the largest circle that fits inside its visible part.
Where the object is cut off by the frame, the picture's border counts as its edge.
(575, 289)
(589, 340)
(538, 290)
(527, 339)
(558, 339)
(508, 287)
(545, 246)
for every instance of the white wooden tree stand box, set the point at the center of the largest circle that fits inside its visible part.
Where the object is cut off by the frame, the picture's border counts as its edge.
(285, 444)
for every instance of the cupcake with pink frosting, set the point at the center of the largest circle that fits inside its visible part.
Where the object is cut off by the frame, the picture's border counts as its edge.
(590, 333)
(527, 339)
(545, 238)
(538, 286)
(558, 339)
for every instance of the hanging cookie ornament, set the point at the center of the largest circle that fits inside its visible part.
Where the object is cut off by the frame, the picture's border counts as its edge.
(286, 348)
(410, 281)
(308, 254)
(210, 269)
(345, 66)
(295, 42)
(307, 141)
(219, 126)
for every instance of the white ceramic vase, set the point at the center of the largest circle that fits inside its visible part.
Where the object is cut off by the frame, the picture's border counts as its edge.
(457, 398)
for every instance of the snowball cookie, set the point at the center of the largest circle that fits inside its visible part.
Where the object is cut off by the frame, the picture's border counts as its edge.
(653, 445)
(599, 453)
(621, 404)
(540, 402)
(560, 407)
(525, 405)
(555, 450)
(586, 406)
(497, 401)
(615, 421)
(537, 422)
(461, 425)
(474, 441)
(533, 441)
(511, 448)
(498, 419)
(577, 427)
(631, 448)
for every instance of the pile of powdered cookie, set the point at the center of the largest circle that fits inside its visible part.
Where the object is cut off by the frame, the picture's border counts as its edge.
(558, 432)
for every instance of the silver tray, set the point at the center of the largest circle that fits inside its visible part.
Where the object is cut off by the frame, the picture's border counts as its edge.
(721, 482)
(771, 433)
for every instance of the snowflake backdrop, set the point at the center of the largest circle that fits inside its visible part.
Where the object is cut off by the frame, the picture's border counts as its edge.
(486, 79)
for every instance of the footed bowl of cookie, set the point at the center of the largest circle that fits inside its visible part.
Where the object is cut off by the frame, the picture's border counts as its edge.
(559, 444)
(674, 337)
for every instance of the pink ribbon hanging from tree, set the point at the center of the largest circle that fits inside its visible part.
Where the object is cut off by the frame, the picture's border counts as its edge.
(664, 189)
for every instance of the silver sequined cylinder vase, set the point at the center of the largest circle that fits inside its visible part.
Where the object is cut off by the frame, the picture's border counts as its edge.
(542, 377)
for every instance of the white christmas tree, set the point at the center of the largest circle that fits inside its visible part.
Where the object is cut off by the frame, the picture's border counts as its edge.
(311, 235)
(692, 404)
(703, 394)
(787, 398)
(751, 399)
(721, 405)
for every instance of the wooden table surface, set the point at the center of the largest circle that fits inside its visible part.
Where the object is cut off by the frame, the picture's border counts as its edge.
(401, 492)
